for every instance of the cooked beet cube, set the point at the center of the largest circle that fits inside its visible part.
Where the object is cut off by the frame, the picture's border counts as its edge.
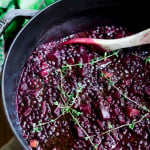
(100, 124)
(116, 111)
(132, 112)
(44, 72)
(116, 95)
(56, 111)
(109, 99)
(54, 56)
(147, 90)
(104, 112)
(108, 74)
(121, 119)
(78, 131)
(85, 108)
(27, 111)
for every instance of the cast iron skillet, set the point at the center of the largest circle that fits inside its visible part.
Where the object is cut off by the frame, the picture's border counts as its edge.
(56, 21)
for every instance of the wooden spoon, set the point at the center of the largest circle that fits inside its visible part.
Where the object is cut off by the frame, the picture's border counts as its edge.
(109, 45)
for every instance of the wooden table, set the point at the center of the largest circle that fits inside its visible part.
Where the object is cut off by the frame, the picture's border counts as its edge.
(5, 131)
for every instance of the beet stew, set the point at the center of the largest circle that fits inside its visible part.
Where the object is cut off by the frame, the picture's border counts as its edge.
(75, 97)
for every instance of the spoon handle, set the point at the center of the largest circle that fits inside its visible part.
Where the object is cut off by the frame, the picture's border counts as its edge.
(137, 39)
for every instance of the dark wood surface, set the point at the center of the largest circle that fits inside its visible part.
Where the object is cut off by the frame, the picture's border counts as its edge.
(5, 131)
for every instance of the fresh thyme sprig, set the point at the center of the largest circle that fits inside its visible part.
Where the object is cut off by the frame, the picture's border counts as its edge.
(70, 99)
(124, 95)
(87, 136)
(130, 125)
(37, 127)
(147, 59)
(93, 61)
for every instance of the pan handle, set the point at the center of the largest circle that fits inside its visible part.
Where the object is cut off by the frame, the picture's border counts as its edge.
(12, 14)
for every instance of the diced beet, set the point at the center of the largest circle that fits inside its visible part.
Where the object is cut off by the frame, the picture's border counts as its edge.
(108, 74)
(132, 112)
(40, 57)
(90, 57)
(100, 124)
(85, 109)
(109, 99)
(78, 131)
(70, 61)
(57, 54)
(116, 111)
(44, 72)
(48, 108)
(134, 89)
(82, 50)
(78, 59)
(84, 54)
(44, 65)
(51, 57)
(116, 95)
(27, 111)
(121, 119)
(104, 112)
(44, 107)
(56, 111)
(54, 56)
(86, 58)
(147, 90)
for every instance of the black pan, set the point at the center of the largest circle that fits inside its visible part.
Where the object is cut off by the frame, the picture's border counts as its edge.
(56, 21)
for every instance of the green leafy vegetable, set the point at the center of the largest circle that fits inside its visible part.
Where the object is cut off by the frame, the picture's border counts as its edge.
(32, 4)
(4, 3)
(48, 2)
(13, 28)
(18, 23)
(1, 50)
